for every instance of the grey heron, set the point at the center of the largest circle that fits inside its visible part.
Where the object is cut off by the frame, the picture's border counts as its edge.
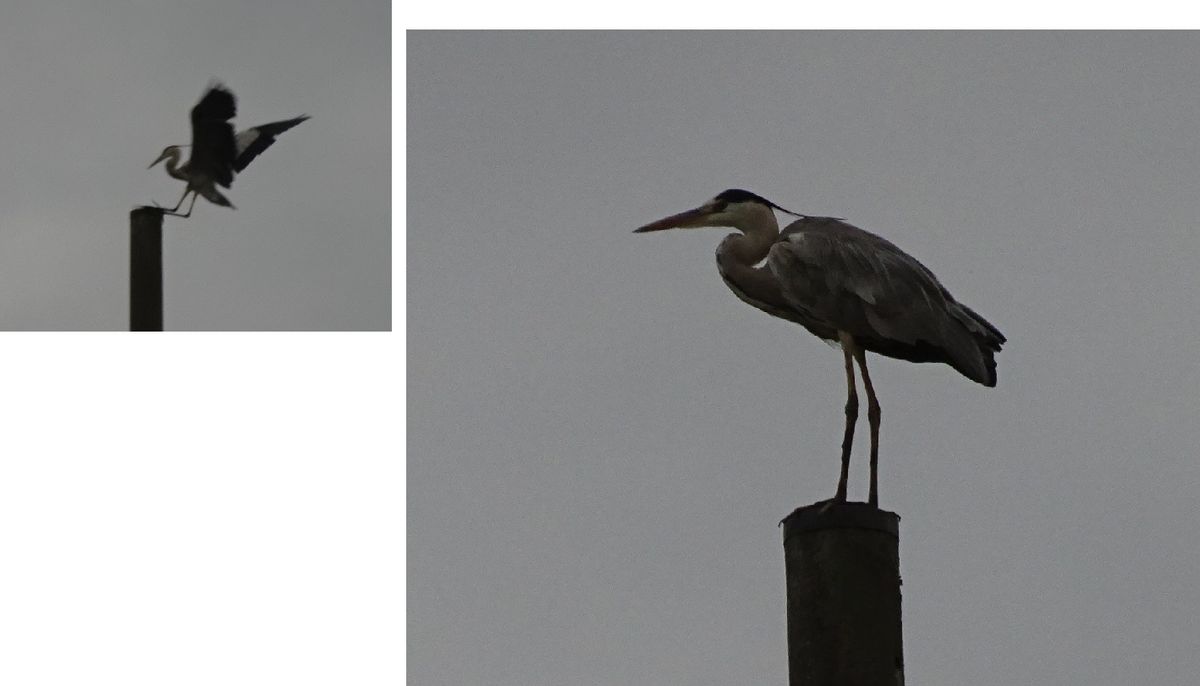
(216, 152)
(847, 286)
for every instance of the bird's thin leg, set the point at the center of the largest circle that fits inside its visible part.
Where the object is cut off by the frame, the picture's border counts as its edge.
(189, 212)
(873, 415)
(181, 199)
(848, 349)
(174, 211)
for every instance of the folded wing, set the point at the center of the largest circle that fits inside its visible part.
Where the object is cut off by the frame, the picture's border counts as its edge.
(889, 302)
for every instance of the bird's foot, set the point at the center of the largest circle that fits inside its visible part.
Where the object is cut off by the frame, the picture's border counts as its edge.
(839, 499)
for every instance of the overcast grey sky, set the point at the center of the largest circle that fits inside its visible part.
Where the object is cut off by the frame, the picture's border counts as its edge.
(602, 437)
(93, 91)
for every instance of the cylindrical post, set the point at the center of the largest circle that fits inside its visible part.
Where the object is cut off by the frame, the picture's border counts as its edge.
(145, 269)
(843, 595)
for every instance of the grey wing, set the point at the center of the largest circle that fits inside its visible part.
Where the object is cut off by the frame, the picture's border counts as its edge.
(251, 142)
(213, 144)
(864, 285)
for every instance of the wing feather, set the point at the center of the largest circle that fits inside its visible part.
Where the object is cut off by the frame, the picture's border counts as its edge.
(213, 144)
(892, 304)
(251, 142)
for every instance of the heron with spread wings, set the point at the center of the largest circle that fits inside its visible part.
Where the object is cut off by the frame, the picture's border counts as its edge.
(847, 286)
(216, 152)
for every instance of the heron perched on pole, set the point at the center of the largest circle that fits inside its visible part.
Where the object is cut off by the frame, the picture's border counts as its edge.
(847, 286)
(216, 152)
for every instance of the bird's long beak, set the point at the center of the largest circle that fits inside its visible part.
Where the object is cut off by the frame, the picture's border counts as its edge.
(160, 159)
(683, 220)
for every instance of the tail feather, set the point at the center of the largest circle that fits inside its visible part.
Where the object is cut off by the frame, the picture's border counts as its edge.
(976, 358)
(215, 197)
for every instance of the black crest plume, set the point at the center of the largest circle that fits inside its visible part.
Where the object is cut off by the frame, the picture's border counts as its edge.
(739, 195)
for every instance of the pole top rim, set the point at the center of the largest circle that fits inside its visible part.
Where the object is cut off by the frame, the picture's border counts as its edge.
(830, 514)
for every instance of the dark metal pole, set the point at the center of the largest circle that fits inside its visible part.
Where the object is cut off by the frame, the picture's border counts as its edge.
(145, 269)
(843, 596)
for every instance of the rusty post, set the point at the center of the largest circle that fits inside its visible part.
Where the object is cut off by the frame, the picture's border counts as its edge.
(843, 596)
(145, 269)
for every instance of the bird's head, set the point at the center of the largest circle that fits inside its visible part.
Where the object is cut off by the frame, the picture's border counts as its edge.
(734, 207)
(170, 151)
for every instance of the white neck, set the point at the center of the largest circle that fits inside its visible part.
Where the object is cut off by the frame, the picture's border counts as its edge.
(760, 231)
(172, 165)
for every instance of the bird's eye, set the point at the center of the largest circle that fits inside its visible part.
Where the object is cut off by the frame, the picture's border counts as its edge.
(719, 206)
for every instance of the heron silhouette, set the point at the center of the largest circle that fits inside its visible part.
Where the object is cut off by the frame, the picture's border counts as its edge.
(216, 152)
(847, 286)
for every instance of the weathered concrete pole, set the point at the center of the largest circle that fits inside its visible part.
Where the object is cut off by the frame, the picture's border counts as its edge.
(843, 596)
(145, 269)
